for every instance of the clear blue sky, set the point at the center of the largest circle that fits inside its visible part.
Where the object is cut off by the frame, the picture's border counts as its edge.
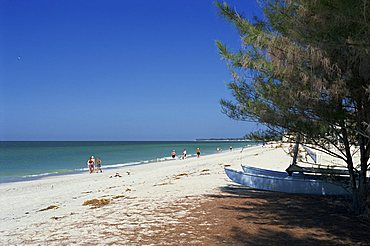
(115, 70)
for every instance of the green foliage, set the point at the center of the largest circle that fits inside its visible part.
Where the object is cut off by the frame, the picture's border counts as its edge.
(297, 70)
(266, 136)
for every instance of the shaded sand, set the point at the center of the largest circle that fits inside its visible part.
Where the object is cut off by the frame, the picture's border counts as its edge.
(166, 203)
(241, 216)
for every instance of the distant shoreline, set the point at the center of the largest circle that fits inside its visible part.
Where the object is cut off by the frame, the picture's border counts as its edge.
(40, 174)
(224, 140)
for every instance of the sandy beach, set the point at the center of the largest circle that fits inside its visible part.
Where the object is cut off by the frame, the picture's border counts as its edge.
(163, 203)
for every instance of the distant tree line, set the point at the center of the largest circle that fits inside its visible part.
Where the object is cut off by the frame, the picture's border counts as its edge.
(221, 139)
(264, 135)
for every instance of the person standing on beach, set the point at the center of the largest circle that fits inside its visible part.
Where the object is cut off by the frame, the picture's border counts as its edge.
(91, 163)
(98, 165)
(198, 152)
(173, 154)
(184, 154)
(231, 148)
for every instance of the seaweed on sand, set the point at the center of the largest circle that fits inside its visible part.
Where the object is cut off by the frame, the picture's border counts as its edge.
(50, 207)
(96, 203)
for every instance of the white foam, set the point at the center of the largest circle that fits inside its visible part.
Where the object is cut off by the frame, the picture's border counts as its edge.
(39, 175)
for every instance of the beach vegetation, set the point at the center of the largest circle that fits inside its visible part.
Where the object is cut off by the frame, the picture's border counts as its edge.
(49, 207)
(264, 135)
(96, 203)
(303, 67)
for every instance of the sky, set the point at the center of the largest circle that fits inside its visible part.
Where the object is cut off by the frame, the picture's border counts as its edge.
(115, 70)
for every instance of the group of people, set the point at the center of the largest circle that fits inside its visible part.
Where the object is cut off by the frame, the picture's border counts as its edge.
(183, 157)
(94, 165)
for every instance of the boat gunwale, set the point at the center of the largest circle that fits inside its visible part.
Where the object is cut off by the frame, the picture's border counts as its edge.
(290, 178)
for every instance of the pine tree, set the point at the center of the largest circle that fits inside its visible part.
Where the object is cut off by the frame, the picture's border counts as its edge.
(305, 68)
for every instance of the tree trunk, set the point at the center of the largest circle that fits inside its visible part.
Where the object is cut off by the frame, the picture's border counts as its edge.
(296, 148)
(359, 200)
(358, 193)
(361, 203)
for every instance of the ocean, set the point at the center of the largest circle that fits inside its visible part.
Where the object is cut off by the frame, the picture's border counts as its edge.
(27, 160)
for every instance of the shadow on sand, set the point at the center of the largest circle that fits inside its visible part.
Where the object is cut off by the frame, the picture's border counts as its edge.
(269, 218)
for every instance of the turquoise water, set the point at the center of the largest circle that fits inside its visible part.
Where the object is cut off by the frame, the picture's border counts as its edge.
(28, 160)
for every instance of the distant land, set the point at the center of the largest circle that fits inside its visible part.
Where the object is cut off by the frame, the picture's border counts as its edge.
(223, 139)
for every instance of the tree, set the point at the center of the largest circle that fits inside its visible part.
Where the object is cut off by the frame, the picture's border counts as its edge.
(265, 136)
(305, 68)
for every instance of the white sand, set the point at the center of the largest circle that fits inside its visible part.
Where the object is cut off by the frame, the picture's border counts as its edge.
(137, 201)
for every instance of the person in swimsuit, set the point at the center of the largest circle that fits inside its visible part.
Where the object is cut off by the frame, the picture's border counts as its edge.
(173, 154)
(184, 154)
(98, 165)
(198, 152)
(91, 163)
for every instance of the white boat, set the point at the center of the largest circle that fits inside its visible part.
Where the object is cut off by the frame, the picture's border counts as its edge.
(261, 171)
(269, 180)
